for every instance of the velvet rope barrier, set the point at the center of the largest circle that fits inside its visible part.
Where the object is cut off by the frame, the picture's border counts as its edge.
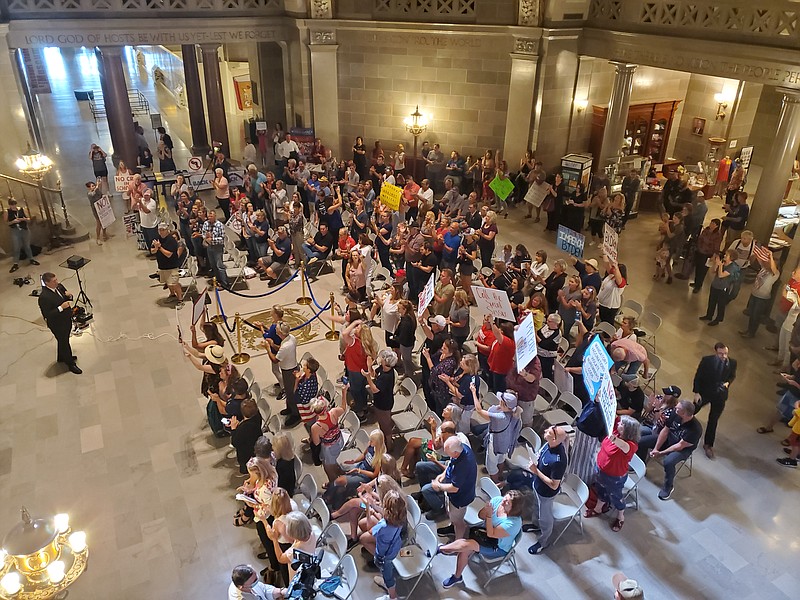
(267, 293)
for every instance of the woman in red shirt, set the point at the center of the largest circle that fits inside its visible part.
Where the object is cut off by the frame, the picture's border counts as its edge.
(484, 340)
(501, 356)
(613, 460)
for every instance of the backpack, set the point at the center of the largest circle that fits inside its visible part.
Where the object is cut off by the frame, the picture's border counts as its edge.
(735, 283)
(591, 420)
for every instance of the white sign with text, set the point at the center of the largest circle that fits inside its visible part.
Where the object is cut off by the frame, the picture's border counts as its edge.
(525, 339)
(493, 302)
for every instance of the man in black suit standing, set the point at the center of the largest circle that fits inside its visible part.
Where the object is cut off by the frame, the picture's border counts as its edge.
(712, 381)
(54, 303)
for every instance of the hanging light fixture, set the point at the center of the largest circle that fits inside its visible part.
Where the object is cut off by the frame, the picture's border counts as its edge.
(41, 558)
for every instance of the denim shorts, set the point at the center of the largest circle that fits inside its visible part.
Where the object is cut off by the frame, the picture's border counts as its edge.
(491, 553)
(330, 452)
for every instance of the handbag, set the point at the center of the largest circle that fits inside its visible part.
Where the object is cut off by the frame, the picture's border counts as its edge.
(549, 204)
(591, 421)
(479, 535)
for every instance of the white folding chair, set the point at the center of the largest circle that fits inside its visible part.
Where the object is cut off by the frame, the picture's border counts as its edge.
(605, 328)
(569, 508)
(649, 324)
(520, 458)
(563, 351)
(255, 389)
(414, 517)
(487, 489)
(381, 278)
(424, 431)
(635, 475)
(360, 441)
(307, 492)
(652, 371)
(630, 308)
(334, 547)
(327, 387)
(495, 564)
(349, 425)
(264, 409)
(248, 376)
(348, 575)
(419, 560)
(320, 516)
(558, 416)
(298, 468)
(412, 418)
(274, 424)
(483, 387)
(551, 389)
(322, 375)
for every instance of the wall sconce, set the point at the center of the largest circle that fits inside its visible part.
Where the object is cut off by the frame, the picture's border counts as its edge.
(580, 104)
(722, 103)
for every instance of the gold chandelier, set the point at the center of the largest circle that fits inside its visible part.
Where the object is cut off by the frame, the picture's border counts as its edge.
(41, 558)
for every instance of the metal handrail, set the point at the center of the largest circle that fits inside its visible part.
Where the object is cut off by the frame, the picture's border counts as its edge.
(29, 183)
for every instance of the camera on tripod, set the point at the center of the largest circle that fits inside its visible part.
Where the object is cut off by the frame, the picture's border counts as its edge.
(307, 571)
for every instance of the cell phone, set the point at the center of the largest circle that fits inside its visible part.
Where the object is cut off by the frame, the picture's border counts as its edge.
(345, 380)
(225, 421)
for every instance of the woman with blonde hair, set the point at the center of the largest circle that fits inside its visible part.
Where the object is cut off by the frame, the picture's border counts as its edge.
(326, 434)
(277, 573)
(369, 496)
(365, 468)
(487, 235)
(360, 351)
(284, 453)
(459, 385)
(384, 541)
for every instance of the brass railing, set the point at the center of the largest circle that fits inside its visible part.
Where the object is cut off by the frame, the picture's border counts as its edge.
(766, 22)
(41, 203)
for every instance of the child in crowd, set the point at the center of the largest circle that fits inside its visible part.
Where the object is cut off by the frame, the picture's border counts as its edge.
(508, 254)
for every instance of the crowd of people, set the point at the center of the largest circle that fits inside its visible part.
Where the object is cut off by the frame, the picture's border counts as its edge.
(478, 398)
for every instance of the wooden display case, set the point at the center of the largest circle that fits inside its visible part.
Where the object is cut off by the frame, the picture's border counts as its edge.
(647, 128)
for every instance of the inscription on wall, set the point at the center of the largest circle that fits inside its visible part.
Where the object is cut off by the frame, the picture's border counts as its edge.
(428, 41)
(777, 75)
(17, 39)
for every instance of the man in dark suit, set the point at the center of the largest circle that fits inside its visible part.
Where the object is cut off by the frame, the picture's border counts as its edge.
(712, 381)
(54, 303)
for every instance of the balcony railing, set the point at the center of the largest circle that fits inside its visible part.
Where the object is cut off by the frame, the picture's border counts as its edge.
(20, 9)
(765, 22)
(425, 10)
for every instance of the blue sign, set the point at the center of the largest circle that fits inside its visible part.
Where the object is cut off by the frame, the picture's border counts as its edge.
(596, 366)
(570, 241)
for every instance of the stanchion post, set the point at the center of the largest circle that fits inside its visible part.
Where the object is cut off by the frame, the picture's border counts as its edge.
(303, 300)
(332, 335)
(240, 357)
(217, 318)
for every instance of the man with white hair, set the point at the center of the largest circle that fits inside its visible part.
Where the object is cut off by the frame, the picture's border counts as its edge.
(457, 481)
(549, 470)
(286, 358)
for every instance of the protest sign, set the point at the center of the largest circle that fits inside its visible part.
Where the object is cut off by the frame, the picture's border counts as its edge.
(570, 241)
(390, 195)
(104, 212)
(525, 339)
(493, 302)
(121, 182)
(199, 306)
(426, 295)
(610, 242)
(597, 379)
(502, 187)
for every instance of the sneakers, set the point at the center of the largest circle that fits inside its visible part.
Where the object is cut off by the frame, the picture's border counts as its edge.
(35, 263)
(535, 549)
(14, 267)
(787, 462)
(446, 531)
(709, 450)
(281, 396)
(435, 515)
(179, 305)
(292, 421)
(312, 260)
(665, 494)
(451, 581)
(285, 412)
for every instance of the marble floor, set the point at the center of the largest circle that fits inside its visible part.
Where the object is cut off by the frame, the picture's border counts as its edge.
(124, 448)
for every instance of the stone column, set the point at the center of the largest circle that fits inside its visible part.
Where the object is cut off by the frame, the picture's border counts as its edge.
(617, 115)
(216, 103)
(194, 100)
(118, 106)
(324, 88)
(772, 183)
(521, 91)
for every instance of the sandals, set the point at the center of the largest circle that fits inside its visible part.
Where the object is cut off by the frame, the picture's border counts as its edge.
(617, 525)
(786, 443)
(765, 430)
(590, 513)
(241, 518)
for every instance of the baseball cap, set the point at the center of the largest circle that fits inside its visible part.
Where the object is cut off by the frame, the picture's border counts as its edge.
(509, 399)
(163, 226)
(439, 320)
(672, 390)
(628, 589)
(592, 262)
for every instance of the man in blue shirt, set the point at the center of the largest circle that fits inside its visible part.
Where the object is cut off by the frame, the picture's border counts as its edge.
(458, 482)
(452, 242)
(549, 471)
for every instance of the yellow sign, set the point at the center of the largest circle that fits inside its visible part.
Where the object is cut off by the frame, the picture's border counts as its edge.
(390, 195)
